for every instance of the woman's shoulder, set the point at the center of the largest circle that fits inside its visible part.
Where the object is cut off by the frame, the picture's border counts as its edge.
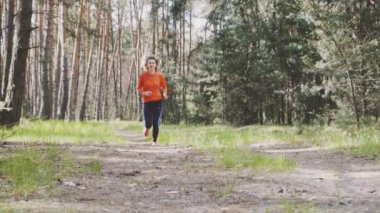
(143, 73)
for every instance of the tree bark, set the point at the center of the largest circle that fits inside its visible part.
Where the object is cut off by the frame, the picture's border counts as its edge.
(63, 81)
(57, 59)
(100, 73)
(1, 47)
(11, 114)
(107, 64)
(82, 114)
(46, 92)
(8, 48)
(73, 95)
(154, 12)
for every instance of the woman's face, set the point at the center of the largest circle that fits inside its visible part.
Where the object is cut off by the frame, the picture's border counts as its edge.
(151, 64)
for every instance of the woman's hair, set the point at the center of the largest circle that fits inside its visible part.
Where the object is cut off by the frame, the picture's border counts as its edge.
(150, 57)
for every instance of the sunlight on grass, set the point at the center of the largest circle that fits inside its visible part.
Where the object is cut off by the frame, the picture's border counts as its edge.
(63, 131)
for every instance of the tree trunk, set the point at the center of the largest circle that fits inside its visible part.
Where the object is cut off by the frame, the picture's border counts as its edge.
(1, 46)
(83, 107)
(114, 78)
(63, 81)
(46, 92)
(154, 12)
(188, 70)
(283, 109)
(174, 47)
(119, 77)
(289, 103)
(106, 66)
(9, 22)
(74, 83)
(57, 59)
(261, 112)
(100, 73)
(11, 114)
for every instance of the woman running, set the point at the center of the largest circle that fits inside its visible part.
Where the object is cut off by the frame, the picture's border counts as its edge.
(151, 83)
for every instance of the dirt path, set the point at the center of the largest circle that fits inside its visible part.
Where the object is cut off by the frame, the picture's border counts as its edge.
(139, 177)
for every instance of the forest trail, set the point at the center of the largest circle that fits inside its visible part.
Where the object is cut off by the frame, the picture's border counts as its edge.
(139, 177)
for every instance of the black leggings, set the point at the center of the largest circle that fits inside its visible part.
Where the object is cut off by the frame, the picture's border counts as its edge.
(152, 115)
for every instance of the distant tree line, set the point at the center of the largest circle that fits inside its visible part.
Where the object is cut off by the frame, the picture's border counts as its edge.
(256, 61)
(290, 61)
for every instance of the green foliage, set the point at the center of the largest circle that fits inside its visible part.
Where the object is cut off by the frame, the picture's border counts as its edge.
(205, 98)
(349, 39)
(63, 131)
(246, 64)
(172, 108)
(288, 62)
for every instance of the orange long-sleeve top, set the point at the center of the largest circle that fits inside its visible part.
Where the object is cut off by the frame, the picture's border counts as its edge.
(152, 83)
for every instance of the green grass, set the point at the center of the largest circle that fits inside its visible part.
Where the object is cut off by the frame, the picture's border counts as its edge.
(94, 166)
(365, 143)
(241, 158)
(32, 167)
(62, 132)
(229, 146)
(288, 207)
(4, 208)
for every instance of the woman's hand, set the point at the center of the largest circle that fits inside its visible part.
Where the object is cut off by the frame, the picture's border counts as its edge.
(165, 95)
(146, 93)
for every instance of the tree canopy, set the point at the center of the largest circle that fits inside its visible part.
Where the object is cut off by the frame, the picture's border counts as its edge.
(253, 61)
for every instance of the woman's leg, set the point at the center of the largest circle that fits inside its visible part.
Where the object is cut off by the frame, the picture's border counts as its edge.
(148, 115)
(156, 119)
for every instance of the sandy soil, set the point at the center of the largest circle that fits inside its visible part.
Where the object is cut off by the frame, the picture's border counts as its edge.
(139, 177)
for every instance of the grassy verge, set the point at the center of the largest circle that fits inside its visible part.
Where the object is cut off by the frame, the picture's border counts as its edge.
(365, 143)
(32, 168)
(29, 167)
(61, 132)
(229, 146)
(241, 158)
(6, 209)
